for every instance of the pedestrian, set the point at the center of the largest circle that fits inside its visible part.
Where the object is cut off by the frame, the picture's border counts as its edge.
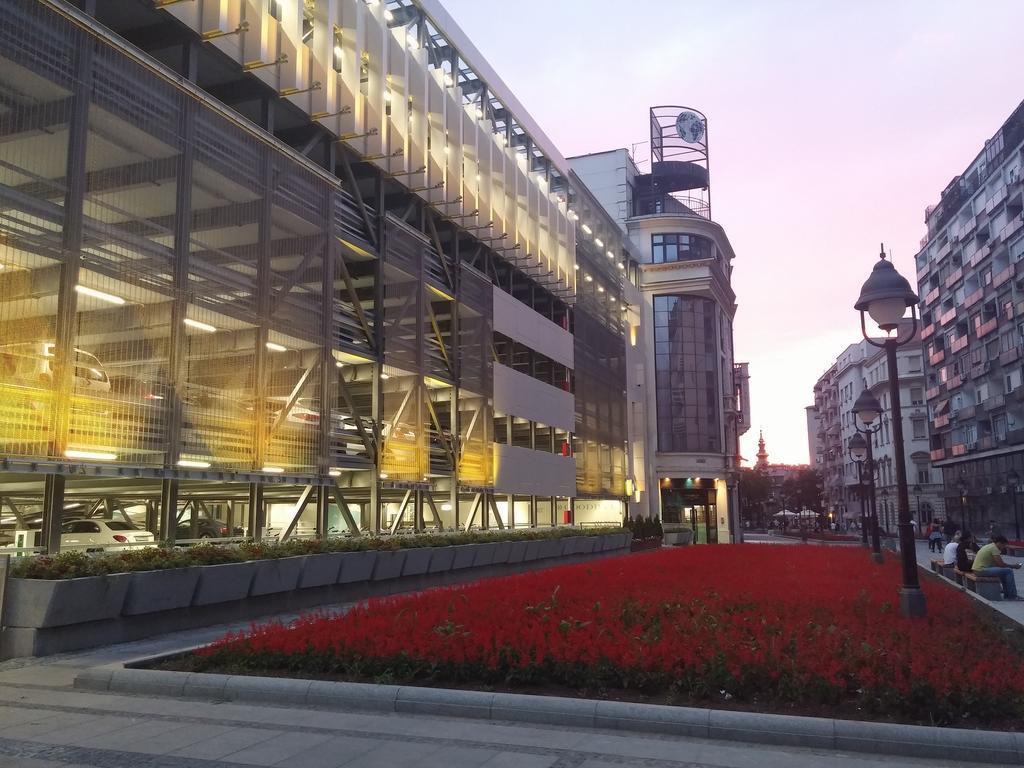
(989, 562)
(934, 536)
(949, 529)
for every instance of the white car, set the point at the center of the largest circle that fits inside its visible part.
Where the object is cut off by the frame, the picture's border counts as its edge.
(92, 535)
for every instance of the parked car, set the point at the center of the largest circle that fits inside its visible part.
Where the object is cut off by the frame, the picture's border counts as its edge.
(32, 363)
(207, 528)
(95, 535)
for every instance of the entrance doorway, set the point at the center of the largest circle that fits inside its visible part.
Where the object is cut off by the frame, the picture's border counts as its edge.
(685, 506)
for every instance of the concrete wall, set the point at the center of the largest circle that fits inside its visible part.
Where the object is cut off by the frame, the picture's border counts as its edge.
(517, 394)
(519, 322)
(536, 473)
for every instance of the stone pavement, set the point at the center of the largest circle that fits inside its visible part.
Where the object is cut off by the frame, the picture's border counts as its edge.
(46, 723)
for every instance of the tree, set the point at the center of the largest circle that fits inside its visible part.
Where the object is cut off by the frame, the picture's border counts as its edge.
(803, 490)
(755, 490)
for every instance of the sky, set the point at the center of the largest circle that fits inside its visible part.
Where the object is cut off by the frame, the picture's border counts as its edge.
(831, 126)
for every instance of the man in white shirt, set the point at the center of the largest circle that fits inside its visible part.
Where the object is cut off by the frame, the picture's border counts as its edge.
(949, 553)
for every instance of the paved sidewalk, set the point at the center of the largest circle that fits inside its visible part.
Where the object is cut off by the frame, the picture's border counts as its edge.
(1014, 609)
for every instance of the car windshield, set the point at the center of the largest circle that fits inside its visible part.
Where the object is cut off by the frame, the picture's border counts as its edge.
(118, 525)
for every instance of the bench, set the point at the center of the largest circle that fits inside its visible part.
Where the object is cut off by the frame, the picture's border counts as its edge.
(988, 587)
(943, 569)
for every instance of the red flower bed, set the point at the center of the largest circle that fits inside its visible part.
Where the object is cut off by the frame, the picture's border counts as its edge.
(796, 626)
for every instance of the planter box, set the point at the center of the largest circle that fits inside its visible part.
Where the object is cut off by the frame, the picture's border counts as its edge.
(485, 554)
(587, 544)
(356, 566)
(417, 561)
(518, 551)
(223, 583)
(677, 538)
(550, 548)
(321, 570)
(442, 560)
(502, 549)
(152, 591)
(389, 564)
(274, 576)
(465, 554)
(41, 603)
(533, 549)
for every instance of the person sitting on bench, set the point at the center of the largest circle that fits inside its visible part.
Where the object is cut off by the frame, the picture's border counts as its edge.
(963, 562)
(989, 562)
(949, 552)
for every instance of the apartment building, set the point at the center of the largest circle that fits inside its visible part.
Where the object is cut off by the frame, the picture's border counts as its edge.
(972, 301)
(305, 267)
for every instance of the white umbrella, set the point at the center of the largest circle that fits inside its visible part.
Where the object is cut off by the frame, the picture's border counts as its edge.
(808, 513)
(785, 513)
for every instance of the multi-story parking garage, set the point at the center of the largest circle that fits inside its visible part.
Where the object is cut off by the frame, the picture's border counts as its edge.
(306, 267)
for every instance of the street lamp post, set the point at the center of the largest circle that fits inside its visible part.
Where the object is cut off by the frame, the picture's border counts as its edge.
(964, 513)
(917, 505)
(885, 508)
(858, 448)
(866, 410)
(1012, 478)
(886, 296)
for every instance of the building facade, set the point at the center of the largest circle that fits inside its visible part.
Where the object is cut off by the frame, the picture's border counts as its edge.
(863, 366)
(687, 396)
(305, 267)
(971, 307)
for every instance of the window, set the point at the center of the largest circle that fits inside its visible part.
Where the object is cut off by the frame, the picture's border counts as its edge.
(920, 431)
(914, 363)
(924, 476)
(667, 248)
(916, 396)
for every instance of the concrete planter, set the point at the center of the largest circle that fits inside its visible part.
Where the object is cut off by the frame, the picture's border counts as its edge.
(518, 552)
(223, 583)
(442, 560)
(678, 538)
(321, 570)
(502, 549)
(551, 548)
(40, 603)
(465, 554)
(417, 561)
(152, 591)
(356, 566)
(389, 564)
(533, 550)
(275, 576)
(485, 554)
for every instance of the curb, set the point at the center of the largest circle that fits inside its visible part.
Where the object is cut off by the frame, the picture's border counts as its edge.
(970, 746)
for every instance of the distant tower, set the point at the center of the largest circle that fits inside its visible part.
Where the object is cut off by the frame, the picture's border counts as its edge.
(762, 454)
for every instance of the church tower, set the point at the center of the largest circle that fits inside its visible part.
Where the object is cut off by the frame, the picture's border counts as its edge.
(762, 454)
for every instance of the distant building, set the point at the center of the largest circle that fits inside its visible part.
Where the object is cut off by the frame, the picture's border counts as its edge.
(862, 366)
(815, 444)
(972, 303)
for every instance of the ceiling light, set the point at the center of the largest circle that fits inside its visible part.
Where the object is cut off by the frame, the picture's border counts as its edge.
(599, 242)
(337, 50)
(383, 475)
(621, 265)
(590, 279)
(198, 325)
(613, 299)
(97, 455)
(587, 229)
(385, 376)
(98, 294)
(334, 472)
(576, 267)
(611, 255)
(276, 347)
(193, 464)
(273, 470)
(600, 289)
(446, 507)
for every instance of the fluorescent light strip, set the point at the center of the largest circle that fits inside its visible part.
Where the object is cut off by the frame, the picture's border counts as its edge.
(97, 455)
(611, 255)
(587, 229)
(109, 297)
(193, 464)
(273, 470)
(599, 242)
(199, 325)
(276, 347)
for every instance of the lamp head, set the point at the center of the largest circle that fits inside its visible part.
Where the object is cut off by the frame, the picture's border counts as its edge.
(885, 295)
(866, 407)
(858, 447)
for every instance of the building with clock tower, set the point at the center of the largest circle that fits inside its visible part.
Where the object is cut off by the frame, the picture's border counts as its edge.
(688, 400)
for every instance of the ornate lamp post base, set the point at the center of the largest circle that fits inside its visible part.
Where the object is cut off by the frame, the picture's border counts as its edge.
(912, 603)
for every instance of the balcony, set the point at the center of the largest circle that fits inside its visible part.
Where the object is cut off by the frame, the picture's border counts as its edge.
(1010, 356)
(974, 298)
(941, 421)
(987, 327)
(979, 255)
(995, 401)
(954, 381)
(1003, 276)
(948, 316)
(981, 369)
(964, 414)
(960, 449)
(938, 454)
(927, 331)
(933, 392)
(958, 344)
(954, 277)
(932, 295)
(986, 443)
(936, 357)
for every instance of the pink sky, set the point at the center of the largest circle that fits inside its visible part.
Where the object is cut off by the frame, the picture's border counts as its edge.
(831, 126)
